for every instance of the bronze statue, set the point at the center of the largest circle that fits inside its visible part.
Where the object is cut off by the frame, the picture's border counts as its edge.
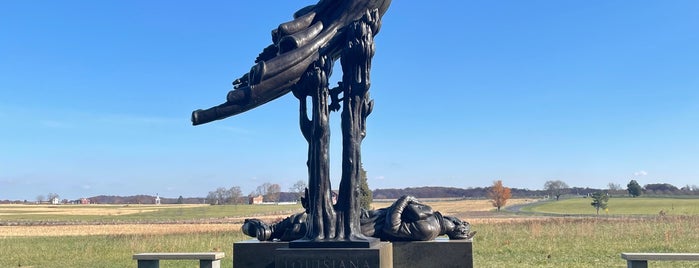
(406, 220)
(300, 60)
(316, 31)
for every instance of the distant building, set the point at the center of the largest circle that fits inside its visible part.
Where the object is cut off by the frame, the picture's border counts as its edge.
(254, 200)
(55, 201)
(84, 201)
(157, 199)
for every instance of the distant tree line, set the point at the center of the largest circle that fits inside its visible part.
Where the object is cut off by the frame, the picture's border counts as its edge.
(223, 196)
(143, 199)
(634, 189)
(552, 189)
(453, 192)
(272, 193)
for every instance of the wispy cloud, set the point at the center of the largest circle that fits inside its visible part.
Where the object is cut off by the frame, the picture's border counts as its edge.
(640, 173)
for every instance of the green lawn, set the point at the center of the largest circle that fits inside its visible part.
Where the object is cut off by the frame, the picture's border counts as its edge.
(530, 242)
(583, 242)
(112, 250)
(621, 206)
(553, 242)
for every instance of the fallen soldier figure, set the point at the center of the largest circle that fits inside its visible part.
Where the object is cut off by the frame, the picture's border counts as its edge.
(405, 220)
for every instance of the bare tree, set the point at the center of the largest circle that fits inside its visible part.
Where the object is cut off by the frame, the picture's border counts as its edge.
(262, 189)
(52, 196)
(614, 186)
(212, 199)
(234, 194)
(299, 188)
(222, 195)
(40, 198)
(273, 192)
(556, 188)
(218, 196)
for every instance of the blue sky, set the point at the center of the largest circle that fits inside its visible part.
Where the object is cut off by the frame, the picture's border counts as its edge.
(95, 96)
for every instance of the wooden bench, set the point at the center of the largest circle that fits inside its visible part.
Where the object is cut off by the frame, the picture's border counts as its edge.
(640, 260)
(206, 259)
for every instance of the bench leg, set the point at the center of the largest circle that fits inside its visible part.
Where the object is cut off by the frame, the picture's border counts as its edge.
(209, 264)
(148, 263)
(637, 264)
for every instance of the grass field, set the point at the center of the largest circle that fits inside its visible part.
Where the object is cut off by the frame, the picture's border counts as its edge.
(111, 250)
(622, 206)
(583, 242)
(503, 239)
(136, 213)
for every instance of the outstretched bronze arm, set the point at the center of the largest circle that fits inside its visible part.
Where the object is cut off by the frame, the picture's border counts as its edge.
(316, 30)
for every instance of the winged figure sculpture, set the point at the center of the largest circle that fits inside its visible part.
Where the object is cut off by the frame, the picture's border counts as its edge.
(315, 31)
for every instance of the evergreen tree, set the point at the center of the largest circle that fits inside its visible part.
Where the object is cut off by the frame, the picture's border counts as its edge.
(365, 194)
(634, 188)
(599, 200)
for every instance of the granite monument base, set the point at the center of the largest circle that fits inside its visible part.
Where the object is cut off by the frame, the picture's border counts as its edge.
(256, 254)
(441, 253)
(378, 256)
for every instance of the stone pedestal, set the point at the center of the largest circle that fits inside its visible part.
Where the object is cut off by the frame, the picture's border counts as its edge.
(255, 254)
(378, 256)
(441, 252)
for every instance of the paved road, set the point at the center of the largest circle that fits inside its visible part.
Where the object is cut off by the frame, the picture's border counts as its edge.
(518, 208)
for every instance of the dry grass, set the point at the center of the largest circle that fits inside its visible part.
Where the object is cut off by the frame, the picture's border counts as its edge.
(462, 206)
(503, 240)
(446, 207)
(84, 210)
(119, 229)
(479, 211)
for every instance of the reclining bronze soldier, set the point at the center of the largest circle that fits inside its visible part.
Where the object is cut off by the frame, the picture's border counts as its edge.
(407, 219)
